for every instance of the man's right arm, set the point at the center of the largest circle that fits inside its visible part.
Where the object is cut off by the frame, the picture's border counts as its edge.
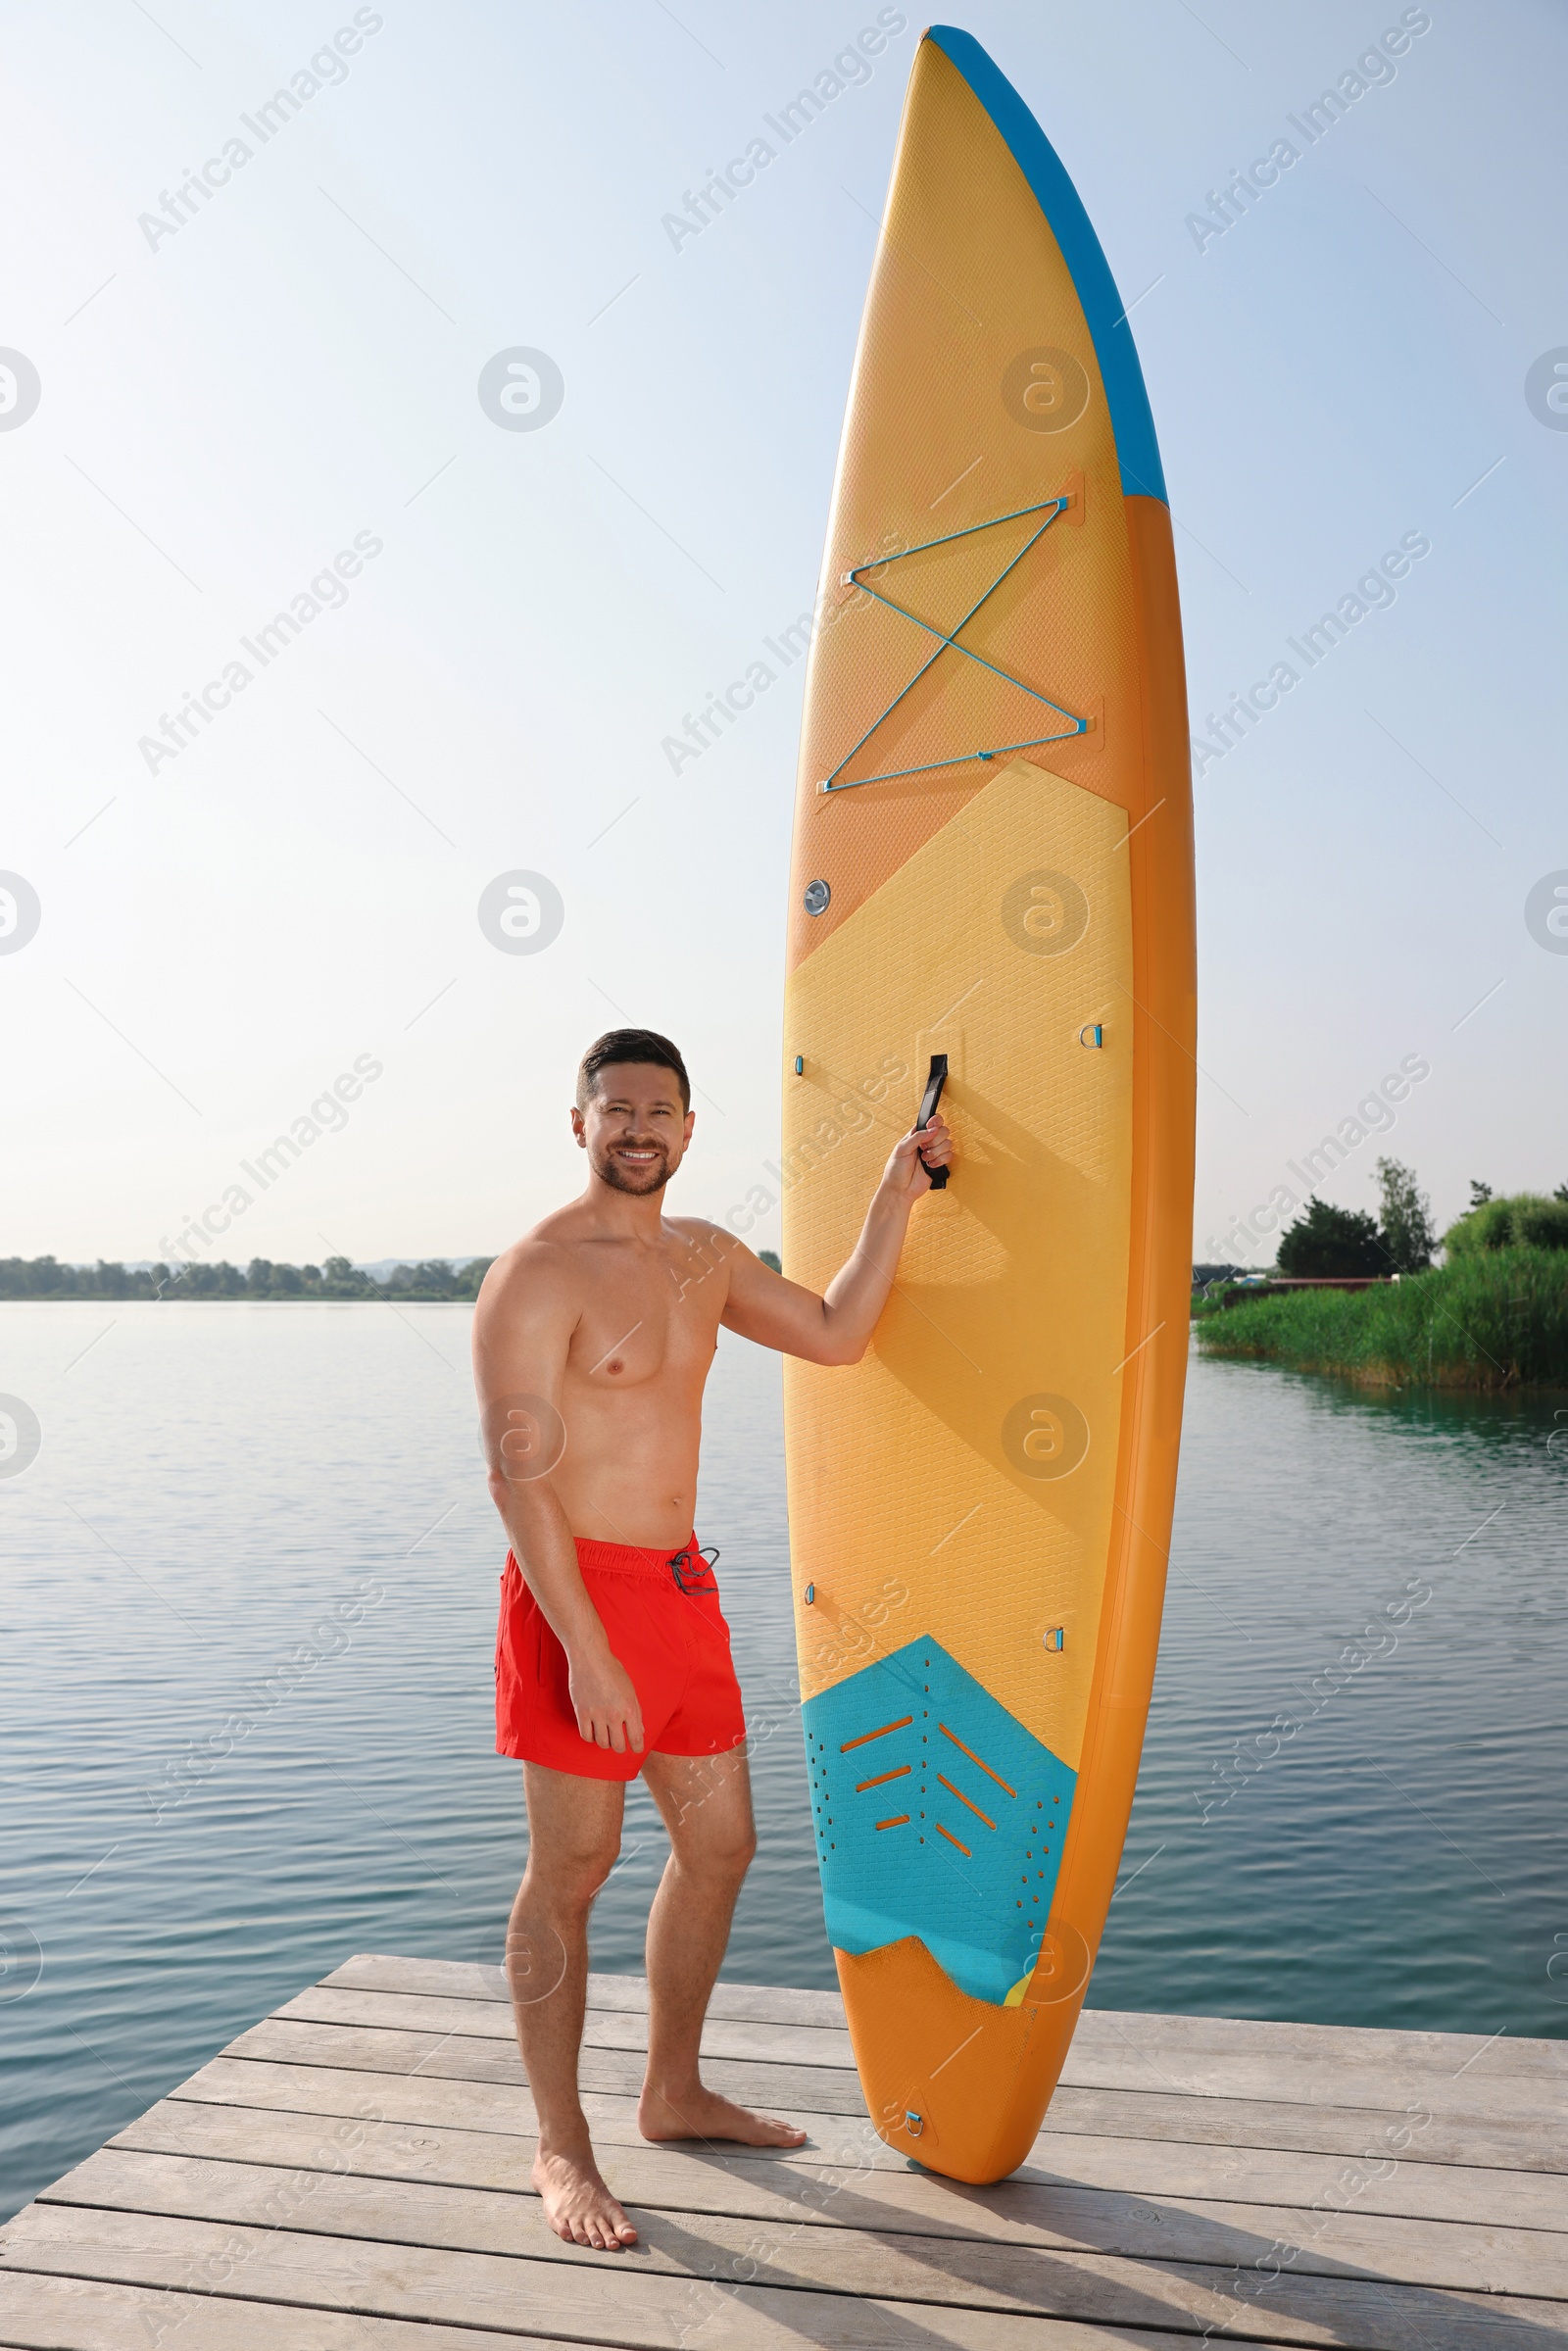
(522, 1327)
(837, 1327)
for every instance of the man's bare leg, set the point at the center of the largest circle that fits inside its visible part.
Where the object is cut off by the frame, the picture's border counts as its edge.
(705, 1801)
(573, 1838)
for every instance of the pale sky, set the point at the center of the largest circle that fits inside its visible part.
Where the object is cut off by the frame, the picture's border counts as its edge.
(224, 407)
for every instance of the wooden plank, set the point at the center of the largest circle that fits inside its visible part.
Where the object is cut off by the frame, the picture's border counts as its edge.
(827, 2286)
(827, 2089)
(1192, 2056)
(1506, 2144)
(1203, 2074)
(775, 2186)
(994, 2274)
(584, 2298)
(604, 2029)
(1065, 2216)
(1433, 2192)
(1443, 2053)
(1427, 2191)
(1526, 2144)
(462, 1980)
(749, 2003)
(1291, 2081)
(40, 2313)
(431, 2099)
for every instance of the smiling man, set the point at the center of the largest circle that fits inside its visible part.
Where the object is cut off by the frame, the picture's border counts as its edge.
(593, 1337)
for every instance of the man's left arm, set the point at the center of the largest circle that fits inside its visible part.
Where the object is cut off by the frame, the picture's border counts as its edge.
(836, 1328)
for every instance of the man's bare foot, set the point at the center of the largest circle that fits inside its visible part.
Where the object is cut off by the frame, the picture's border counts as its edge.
(578, 2204)
(699, 2113)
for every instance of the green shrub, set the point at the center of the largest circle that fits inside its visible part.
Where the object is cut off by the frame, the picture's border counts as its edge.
(1479, 1228)
(1524, 1220)
(1539, 1223)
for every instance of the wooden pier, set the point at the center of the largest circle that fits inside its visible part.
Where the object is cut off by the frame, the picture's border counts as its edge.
(350, 2175)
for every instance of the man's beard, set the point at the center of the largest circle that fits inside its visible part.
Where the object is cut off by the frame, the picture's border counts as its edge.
(639, 1183)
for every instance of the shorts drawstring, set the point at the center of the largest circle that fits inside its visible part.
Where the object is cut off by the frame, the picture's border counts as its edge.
(693, 1571)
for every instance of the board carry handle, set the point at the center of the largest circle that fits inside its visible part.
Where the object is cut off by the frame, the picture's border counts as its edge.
(929, 1101)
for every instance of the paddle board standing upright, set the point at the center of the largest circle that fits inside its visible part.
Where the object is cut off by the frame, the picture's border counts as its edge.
(992, 884)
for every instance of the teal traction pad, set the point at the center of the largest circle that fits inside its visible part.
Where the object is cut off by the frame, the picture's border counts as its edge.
(937, 1815)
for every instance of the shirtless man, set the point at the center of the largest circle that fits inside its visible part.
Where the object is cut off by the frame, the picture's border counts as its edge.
(592, 1340)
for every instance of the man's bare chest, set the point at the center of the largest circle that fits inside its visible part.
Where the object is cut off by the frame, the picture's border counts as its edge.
(645, 1315)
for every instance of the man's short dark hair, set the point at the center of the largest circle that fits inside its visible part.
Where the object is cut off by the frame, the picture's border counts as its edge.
(630, 1045)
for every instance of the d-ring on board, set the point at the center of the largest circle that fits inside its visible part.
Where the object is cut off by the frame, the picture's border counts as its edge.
(1050, 507)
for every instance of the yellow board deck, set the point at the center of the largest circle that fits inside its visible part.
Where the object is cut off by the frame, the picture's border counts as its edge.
(992, 861)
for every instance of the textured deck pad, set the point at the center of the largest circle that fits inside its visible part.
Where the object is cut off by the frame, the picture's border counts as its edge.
(937, 1815)
(966, 1467)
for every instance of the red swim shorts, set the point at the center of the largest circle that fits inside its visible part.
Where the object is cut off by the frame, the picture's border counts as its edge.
(660, 1610)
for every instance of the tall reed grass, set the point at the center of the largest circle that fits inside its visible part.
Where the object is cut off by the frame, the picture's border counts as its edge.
(1495, 1320)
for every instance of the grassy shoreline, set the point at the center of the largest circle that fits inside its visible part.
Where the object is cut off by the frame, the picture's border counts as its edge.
(1494, 1321)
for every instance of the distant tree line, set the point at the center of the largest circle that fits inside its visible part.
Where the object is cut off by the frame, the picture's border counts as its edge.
(431, 1278)
(1333, 1243)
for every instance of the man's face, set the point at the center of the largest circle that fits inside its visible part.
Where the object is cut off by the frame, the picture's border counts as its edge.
(634, 1129)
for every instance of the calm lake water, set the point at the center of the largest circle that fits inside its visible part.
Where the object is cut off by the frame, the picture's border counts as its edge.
(215, 1481)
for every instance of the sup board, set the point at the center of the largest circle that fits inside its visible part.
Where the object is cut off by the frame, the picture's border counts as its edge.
(992, 863)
